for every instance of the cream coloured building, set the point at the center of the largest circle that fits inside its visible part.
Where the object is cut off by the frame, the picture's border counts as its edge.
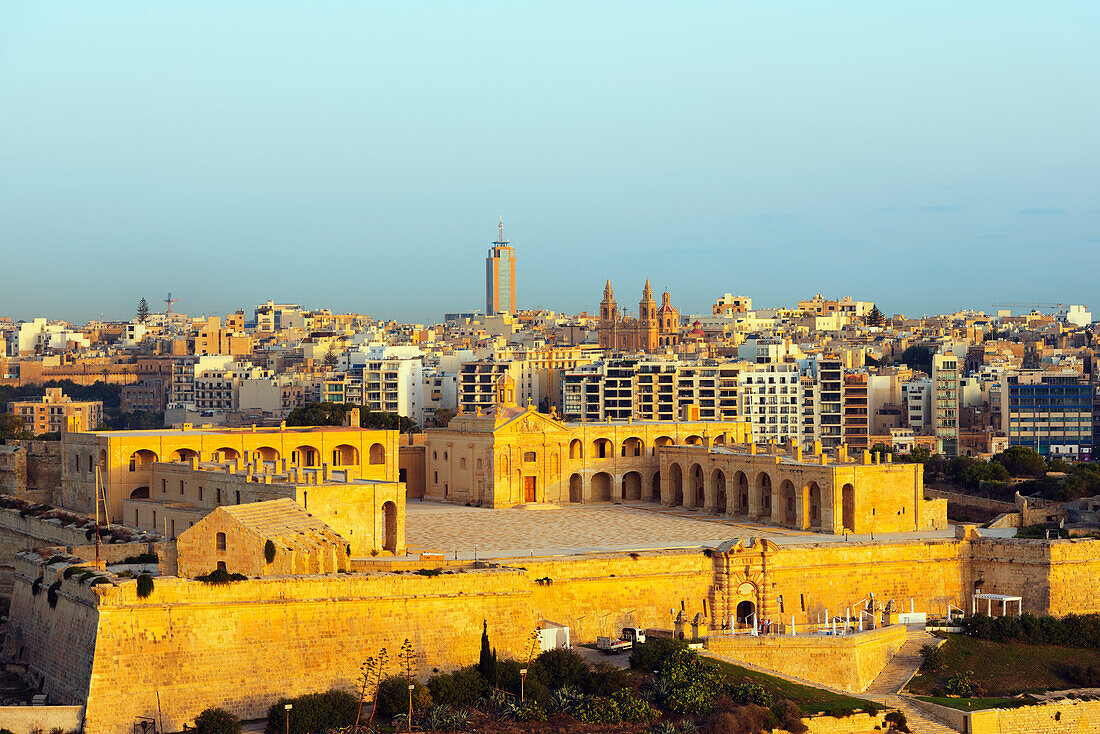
(512, 455)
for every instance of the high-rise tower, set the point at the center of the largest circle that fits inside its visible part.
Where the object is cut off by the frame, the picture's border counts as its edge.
(500, 276)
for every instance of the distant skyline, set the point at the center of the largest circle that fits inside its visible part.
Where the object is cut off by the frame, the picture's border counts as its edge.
(353, 156)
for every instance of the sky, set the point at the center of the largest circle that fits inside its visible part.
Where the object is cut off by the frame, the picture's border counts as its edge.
(925, 156)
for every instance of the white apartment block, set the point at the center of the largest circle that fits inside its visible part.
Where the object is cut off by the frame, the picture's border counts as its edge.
(771, 400)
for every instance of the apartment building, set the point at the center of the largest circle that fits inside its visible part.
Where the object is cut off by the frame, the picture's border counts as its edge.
(856, 410)
(48, 413)
(917, 399)
(945, 402)
(477, 383)
(830, 400)
(1052, 412)
(771, 401)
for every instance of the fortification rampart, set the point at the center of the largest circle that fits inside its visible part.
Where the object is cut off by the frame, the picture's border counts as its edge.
(25, 533)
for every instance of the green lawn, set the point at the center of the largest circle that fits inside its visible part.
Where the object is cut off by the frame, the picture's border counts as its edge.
(811, 700)
(1005, 669)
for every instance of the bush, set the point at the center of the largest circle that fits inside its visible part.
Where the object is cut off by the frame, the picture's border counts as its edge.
(217, 721)
(1074, 630)
(694, 683)
(36, 587)
(897, 722)
(313, 712)
(933, 657)
(1086, 676)
(606, 679)
(962, 685)
(652, 654)
(144, 585)
(632, 707)
(559, 667)
(742, 720)
(460, 689)
(789, 717)
(840, 712)
(533, 689)
(68, 572)
(220, 577)
(148, 558)
(51, 593)
(393, 696)
(596, 710)
(750, 692)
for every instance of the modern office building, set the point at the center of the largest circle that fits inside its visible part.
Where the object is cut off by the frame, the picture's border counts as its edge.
(500, 276)
(1051, 412)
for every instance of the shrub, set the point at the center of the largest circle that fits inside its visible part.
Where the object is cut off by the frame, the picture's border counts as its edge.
(1086, 676)
(444, 718)
(55, 559)
(36, 587)
(217, 721)
(144, 585)
(508, 679)
(460, 689)
(563, 700)
(632, 707)
(840, 712)
(84, 576)
(313, 712)
(741, 720)
(789, 717)
(149, 558)
(897, 722)
(962, 685)
(652, 654)
(68, 572)
(596, 710)
(750, 692)
(51, 593)
(559, 667)
(933, 657)
(393, 696)
(428, 571)
(220, 577)
(269, 552)
(694, 683)
(605, 679)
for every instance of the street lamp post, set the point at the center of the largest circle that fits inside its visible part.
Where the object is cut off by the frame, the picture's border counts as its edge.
(522, 678)
(288, 707)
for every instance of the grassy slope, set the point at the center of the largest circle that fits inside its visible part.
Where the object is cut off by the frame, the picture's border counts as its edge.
(811, 700)
(1005, 668)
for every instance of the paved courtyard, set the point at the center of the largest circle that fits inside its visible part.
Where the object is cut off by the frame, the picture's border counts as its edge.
(514, 533)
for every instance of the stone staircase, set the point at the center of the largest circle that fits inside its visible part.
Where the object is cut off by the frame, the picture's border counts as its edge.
(886, 687)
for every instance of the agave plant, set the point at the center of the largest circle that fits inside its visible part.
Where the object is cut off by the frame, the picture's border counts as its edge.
(658, 689)
(562, 700)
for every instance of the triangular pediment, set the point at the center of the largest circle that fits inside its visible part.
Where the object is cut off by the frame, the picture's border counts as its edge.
(531, 421)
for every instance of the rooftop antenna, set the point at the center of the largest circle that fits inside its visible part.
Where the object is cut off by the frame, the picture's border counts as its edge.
(500, 233)
(169, 300)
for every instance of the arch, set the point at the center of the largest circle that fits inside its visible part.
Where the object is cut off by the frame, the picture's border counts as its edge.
(632, 486)
(656, 486)
(345, 455)
(377, 454)
(718, 481)
(698, 490)
(576, 449)
(142, 459)
(675, 485)
(575, 488)
(848, 506)
(633, 446)
(183, 455)
(305, 455)
(503, 464)
(228, 454)
(601, 487)
(719, 440)
(741, 499)
(389, 510)
(787, 503)
(267, 453)
(602, 448)
(744, 612)
(815, 505)
(694, 440)
(763, 494)
(141, 493)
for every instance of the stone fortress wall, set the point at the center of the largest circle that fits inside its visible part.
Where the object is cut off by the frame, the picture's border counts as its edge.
(244, 645)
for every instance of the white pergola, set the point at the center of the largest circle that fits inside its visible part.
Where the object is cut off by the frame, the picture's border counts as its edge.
(990, 598)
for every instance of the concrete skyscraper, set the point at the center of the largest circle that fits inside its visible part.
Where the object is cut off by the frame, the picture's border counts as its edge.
(500, 276)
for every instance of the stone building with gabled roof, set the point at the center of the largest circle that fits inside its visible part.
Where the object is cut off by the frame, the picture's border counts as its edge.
(235, 539)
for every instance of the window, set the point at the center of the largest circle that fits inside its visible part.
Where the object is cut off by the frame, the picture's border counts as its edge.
(219, 496)
(163, 486)
(238, 496)
(462, 463)
(77, 459)
(529, 456)
(181, 488)
(200, 494)
(219, 542)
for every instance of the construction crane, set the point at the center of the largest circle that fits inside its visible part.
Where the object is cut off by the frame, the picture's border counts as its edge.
(1030, 304)
(169, 300)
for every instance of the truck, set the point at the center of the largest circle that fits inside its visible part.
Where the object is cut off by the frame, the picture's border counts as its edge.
(626, 641)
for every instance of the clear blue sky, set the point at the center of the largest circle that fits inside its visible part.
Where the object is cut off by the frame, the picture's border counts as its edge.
(356, 155)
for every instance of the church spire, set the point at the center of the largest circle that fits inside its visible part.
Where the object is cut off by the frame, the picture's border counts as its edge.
(647, 292)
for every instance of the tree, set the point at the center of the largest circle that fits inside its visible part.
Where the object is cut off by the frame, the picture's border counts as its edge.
(1022, 461)
(874, 317)
(217, 721)
(330, 360)
(12, 426)
(142, 311)
(487, 664)
(919, 357)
